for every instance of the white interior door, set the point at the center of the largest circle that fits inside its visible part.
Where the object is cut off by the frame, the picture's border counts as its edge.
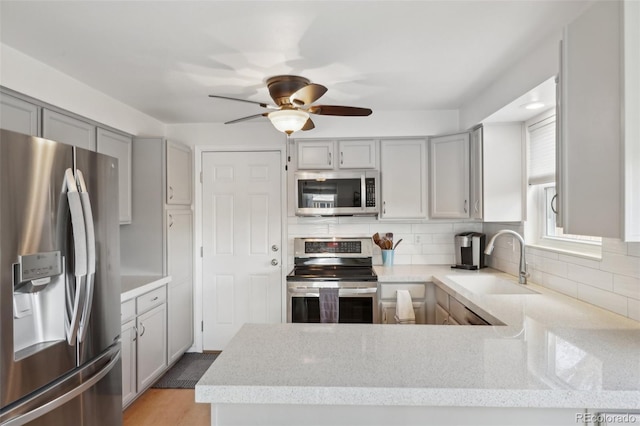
(241, 237)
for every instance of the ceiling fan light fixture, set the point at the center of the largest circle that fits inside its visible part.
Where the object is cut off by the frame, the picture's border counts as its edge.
(288, 120)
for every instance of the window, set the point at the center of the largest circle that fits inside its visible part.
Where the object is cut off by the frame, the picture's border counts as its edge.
(541, 156)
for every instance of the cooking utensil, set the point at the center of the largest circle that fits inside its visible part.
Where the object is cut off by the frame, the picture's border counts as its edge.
(397, 242)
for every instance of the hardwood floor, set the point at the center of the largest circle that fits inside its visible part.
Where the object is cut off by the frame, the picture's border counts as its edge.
(170, 407)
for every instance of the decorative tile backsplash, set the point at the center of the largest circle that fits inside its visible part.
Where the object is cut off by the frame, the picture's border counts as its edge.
(422, 242)
(612, 283)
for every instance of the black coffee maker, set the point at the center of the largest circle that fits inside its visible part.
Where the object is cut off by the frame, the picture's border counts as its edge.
(469, 249)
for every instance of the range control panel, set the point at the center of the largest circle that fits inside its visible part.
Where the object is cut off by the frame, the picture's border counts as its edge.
(315, 247)
(334, 247)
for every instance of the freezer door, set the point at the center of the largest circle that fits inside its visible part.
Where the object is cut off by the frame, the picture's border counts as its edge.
(100, 323)
(33, 217)
(89, 396)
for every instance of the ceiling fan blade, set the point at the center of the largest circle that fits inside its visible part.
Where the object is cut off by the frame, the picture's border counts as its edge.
(308, 125)
(339, 110)
(262, 104)
(308, 94)
(250, 117)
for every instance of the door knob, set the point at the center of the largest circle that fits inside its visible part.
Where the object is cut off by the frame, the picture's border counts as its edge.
(274, 262)
(274, 248)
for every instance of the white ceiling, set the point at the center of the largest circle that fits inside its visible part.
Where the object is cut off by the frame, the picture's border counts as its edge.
(164, 57)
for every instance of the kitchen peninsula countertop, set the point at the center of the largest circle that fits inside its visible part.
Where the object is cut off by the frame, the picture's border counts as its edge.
(553, 352)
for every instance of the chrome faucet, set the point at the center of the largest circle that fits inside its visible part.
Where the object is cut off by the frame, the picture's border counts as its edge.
(522, 276)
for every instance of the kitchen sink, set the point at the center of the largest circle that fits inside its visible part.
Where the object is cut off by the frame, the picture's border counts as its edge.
(490, 284)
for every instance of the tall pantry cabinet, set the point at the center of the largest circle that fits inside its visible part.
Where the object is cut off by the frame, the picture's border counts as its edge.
(159, 240)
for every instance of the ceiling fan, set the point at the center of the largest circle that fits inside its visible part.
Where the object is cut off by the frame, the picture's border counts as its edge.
(293, 96)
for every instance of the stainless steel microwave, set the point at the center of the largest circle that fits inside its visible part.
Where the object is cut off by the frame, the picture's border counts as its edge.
(337, 193)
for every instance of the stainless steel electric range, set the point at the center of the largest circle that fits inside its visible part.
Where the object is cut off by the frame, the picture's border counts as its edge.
(343, 263)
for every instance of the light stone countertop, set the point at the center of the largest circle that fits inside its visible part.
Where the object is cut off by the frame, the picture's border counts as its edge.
(136, 285)
(554, 351)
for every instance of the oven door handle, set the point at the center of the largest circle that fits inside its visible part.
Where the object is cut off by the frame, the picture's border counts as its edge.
(315, 292)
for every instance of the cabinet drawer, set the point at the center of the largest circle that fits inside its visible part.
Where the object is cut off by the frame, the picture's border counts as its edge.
(388, 291)
(127, 311)
(463, 315)
(442, 316)
(151, 299)
(442, 298)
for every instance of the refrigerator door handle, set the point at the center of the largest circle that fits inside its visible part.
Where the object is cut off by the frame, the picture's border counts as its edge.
(91, 256)
(80, 255)
(66, 397)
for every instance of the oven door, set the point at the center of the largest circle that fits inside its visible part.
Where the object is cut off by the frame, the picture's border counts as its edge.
(357, 305)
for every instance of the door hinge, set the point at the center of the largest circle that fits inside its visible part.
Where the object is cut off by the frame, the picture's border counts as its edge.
(286, 167)
(202, 326)
(201, 251)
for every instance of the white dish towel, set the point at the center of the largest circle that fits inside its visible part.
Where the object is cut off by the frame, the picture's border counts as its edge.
(404, 308)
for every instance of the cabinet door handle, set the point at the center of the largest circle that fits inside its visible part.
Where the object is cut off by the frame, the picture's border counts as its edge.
(341, 157)
(465, 206)
(170, 220)
(384, 207)
(143, 329)
(170, 192)
(554, 198)
(135, 336)
(154, 299)
(476, 205)
(330, 159)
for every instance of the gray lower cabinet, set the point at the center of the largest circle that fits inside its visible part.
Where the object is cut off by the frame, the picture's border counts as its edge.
(144, 342)
(69, 130)
(152, 344)
(180, 267)
(129, 339)
(450, 311)
(18, 115)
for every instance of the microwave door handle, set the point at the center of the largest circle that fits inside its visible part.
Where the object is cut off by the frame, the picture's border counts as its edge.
(91, 256)
(363, 192)
(80, 255)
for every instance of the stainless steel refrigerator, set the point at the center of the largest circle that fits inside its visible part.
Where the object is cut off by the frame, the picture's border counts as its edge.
(59, 285)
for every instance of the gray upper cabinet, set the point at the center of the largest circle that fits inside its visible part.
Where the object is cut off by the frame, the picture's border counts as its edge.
(476, 188)
(119, 146)
(179, 174)
(449, 176)
(332, 155)
(19, 116)
(590, 144)
(69, 130)
(403, 174)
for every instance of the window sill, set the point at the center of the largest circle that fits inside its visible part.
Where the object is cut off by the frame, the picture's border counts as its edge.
(585, 251)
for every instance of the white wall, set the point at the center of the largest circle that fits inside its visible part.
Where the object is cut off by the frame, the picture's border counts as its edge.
(25, 75)
(536, 67)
